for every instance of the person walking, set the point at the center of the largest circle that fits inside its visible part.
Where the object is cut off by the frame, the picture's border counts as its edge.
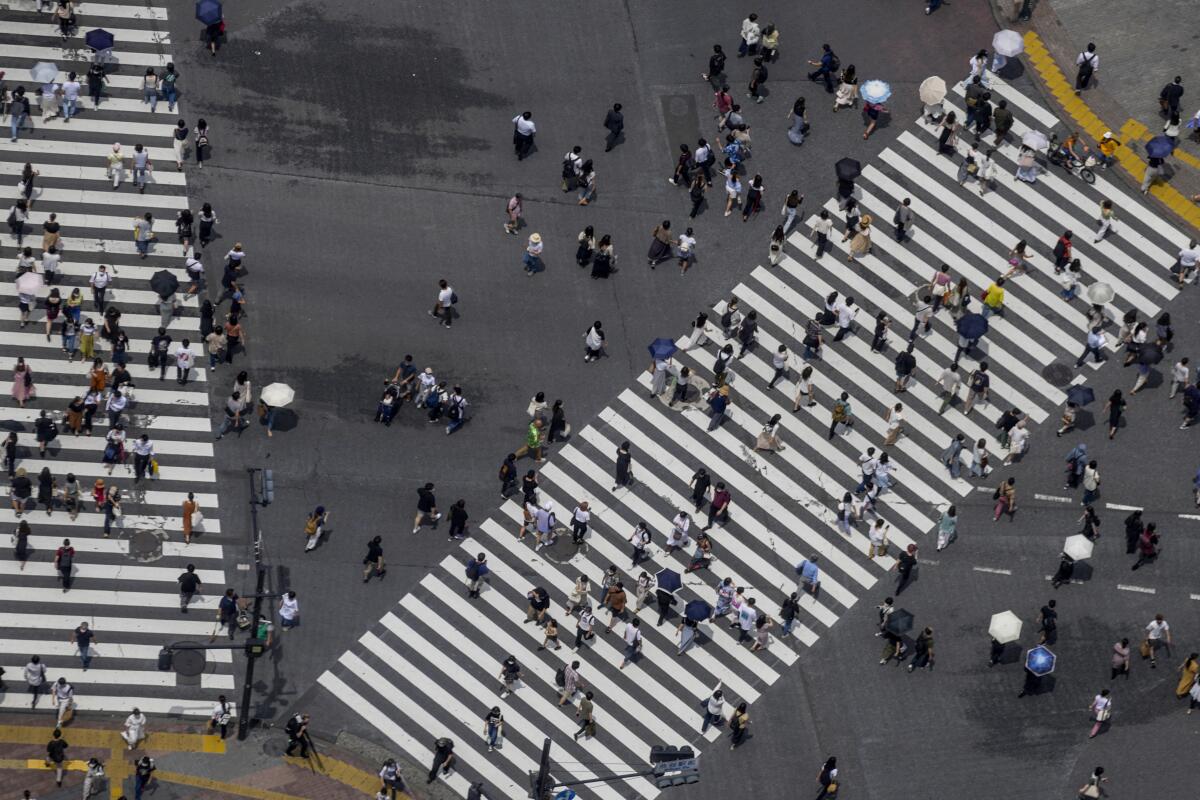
(83, 637)
(1087, 64)
(1115, 408)
(426, 508)
(947, 528)
(523, 132)
(297, 733)
(1158, 634)
(1006, 499)
(923, 651)
(134, 729)
(1101, 709)
(825, 67)
(1147, 546)
(64, 701)
(189, 586)
(827, 778)
(739, 723)
(513, 213)
(35, 678)
(751, 36)
(314, 527)
(585, 713)
(56, 755)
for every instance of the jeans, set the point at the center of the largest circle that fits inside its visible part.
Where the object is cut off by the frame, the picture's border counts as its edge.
(172, 94)
(139, 784)
(85, 655)
(709, 719)
(109, 518)
(454, 425)
(1094, 351)
(1089, 495)
(139, 176)
(150, 96)
(230, 422)
(718, 418)
(786, 628)
(533, 263)
(17, 121)
(493, 735)
(68, 107)
(142, 245)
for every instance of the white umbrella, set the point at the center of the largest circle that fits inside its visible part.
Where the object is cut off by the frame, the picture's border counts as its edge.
(1078, 547)
(43, 71)
(1099, 293)
(1035, 140)
(932, 90)
(1008, 43)
(1005, 627)
(29, 283)
(875, 91)
(277, 394)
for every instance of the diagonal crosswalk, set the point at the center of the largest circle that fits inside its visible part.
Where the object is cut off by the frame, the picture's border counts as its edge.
(125, 585)
(430, 668)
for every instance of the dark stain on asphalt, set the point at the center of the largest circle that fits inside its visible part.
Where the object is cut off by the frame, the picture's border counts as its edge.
(291, 93)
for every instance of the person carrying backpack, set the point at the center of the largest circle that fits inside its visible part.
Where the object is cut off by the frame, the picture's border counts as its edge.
(477, 570)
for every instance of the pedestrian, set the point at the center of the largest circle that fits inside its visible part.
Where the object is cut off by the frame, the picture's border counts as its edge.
(1101, 709)
(389, 773)
(1006, 499)
(135, 728)
(1187, 675)
(585, 713)
(314, 527)
(1158, 634)
(92, 776)
(493, 730)
(426, 508)
(477, 570)
(719, 506)
(923, 655)
(1154, 171)
(739, 722)
(512, 210)
(35, 679)
(1133, 531)
(1115, 408)
(184, 359)
(64, 559)
(947, 527)
(189, 586)
(572, 168)
(751, 35)
(289, 611)
(905, 564)
(64, 701)
(827, 778)
(1107, 220)
(1087, 64)
(632, 636)
(1047, 621)
(297, 733)
(443, 759)
(623, 468)
(443, 307)
(825, 67)
(235, 407)
(532, 259)
(56, 750)
(758, 77)
(1147, 546)
(83, 637)
(1091, 483)
(523, 132)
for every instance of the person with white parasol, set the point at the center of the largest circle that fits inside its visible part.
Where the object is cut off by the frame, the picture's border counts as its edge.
(1006, 44)
(273, 397)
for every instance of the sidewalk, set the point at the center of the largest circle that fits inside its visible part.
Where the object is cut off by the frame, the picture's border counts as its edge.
(1123, 97)
(191, 765)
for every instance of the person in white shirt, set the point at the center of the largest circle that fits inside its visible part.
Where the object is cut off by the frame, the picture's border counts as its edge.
(593, 342)
(116, 165)
(289, 611)
(714, 713)
(135, 728)
(1158, 634)
(779, 361)
(639, 539)
(443, 309)
(183, 361)
(141, 166)
(64, 700)
(686, 249)
(195, 271)
(51, 264)
(978, 65)
(523, 131)
(70, 89)
(751, 36)
(1088, 64)
(633, 641)
(677, 539)
(1179, 376)
(427, 381)
(846, 312)
(820, 231)
(1018, 442)
(99, 281)
(115, 406)
(1185, 266)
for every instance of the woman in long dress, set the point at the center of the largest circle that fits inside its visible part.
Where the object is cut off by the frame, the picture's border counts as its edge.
(23, 387)
(604, 259)
(799, 120)
(768, 437)
(860, 245)
(847, 90)
(1187, 675)
(21, 543)
(687, 634)
(660, 244)
(587, 246)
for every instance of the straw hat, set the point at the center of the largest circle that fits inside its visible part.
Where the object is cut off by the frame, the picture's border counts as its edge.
(536, 238)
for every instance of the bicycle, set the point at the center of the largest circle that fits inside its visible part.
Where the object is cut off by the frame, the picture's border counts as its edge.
(1071, 164)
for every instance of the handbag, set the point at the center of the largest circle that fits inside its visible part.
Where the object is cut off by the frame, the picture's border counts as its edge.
(1145, 648)
(1090, 791)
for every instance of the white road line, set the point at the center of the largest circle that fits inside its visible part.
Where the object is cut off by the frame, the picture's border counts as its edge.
(91, 12)
(993, 570)
(146, 423)
(123, 104)
(29, 149)
(140, 203)
(78, 54)
(1189, 516)
(93, 444)
(1030, 107)
(1118, 507)
(94, 469)
(84, 679)
(154, 498)
(104, 597)
(1141, 589)
(103, 651)
(752, 493)
(49, 30)
(120, 294)
(113, 572)
(27, 341)
(97, 174)
(120, 704)
(881, 362)
(533, 730)
(151, 396)
(123, 274)
(139, 372)
(1053, 498)
(383, 722)
(612, 691)
(1195, 596)
(76, 222)
(105, 626)
(190, 325)
(18, 69)
(110, 546)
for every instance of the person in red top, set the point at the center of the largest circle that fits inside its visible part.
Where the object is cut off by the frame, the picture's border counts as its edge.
(718, 509)
(1062, 251)
(64, 557)
(1147, 546)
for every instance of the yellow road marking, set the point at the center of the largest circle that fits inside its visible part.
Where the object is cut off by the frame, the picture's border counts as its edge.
(221, 786)
(1085, 119)
(111, 739)
(366, 782)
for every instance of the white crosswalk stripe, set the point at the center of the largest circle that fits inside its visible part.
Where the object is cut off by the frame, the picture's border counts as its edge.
(125, 584)
(435, 658)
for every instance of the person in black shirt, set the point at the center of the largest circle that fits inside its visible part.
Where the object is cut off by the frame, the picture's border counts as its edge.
(716, 67)
(904, 567)
(458, 520)
(56, 754)
(374, 559)
(22, 490)
(426, 507)
(82, 638)
(614, 121)
(189, 584)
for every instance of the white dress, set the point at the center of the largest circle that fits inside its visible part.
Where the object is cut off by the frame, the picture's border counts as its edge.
(135, 729)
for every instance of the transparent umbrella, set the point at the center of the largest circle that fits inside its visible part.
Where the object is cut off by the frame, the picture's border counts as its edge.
(44, 71)
(1100, 293)
(1035, 140)
(1008, 43)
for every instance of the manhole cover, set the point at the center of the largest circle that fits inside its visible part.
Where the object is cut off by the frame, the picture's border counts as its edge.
(1058, 374)
(563, 549)
(188, 662)
(146, 545)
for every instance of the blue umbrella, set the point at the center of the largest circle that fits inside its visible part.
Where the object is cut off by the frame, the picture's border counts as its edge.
(99, 39)
(875, 91)
(697, 610)
(1159, 147)
(972, 326)
(662, 349)
(668, 579)
(208, 11)
(1080, 395)
(1040, 661)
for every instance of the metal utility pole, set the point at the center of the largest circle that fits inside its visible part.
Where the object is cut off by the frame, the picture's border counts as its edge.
(268, 494)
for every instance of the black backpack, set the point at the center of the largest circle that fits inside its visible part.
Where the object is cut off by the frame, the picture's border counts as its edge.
(560, 677)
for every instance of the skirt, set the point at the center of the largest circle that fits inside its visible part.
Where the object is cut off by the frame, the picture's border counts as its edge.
(659, 250)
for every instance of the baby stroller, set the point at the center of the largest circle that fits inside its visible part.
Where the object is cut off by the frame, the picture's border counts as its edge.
(388, 403)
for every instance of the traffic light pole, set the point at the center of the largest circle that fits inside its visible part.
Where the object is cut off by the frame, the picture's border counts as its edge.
(260, 584)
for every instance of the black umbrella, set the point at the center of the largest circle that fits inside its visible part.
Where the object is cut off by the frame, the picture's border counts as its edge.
(1080, 395)
(900, 622)
(164, 283)
(847, 169)
(1150, 354)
